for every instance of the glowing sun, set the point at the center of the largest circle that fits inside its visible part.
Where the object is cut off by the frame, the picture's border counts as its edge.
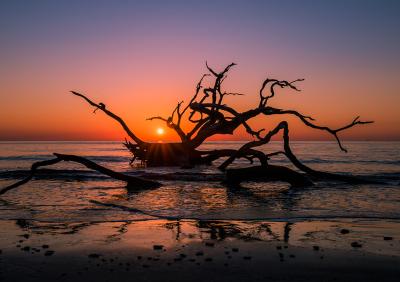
(160, 131)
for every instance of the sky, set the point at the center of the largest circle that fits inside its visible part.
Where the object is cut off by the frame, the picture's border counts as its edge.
(142, 57)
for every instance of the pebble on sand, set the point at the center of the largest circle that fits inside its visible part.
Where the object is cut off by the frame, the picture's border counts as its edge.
(49, 253)
(158, 247)
(344, 231)
(93, 255)
(356, 245)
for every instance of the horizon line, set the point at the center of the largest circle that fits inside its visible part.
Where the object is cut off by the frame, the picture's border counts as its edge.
(211, 141)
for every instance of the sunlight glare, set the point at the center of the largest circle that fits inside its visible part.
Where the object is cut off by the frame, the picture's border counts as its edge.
(160, 131)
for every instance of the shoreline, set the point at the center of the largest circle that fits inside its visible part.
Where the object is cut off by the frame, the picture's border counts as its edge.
(188, 250)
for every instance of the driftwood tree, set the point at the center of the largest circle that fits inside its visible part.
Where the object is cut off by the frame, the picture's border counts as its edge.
(209, 115)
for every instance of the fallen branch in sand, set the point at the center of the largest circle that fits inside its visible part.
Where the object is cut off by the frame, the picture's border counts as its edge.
(132, 182)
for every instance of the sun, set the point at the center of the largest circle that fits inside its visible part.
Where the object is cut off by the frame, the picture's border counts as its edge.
(160, 131)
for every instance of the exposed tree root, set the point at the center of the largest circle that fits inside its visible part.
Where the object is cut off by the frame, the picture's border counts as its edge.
(267, 173)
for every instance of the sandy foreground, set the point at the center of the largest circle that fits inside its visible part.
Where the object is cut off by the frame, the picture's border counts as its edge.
(189, 250)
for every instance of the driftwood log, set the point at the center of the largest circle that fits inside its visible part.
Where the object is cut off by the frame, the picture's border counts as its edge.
(209, 115)
(132, 182)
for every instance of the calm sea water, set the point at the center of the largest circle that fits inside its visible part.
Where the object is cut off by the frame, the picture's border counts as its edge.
(67, 196)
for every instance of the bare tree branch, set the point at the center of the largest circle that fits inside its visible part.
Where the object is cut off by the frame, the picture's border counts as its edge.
(102, 107)
(132, 181)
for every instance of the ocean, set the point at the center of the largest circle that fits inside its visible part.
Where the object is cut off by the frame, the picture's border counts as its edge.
(68, 195)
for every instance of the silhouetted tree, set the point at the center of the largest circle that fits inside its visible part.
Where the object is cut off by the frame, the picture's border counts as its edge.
(209, 116)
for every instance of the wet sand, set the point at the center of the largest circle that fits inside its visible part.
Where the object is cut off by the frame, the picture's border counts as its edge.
(188, 250)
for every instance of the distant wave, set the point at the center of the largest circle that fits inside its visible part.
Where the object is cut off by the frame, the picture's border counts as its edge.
(127, 158)
(77, 174)
(55, 174)
(35, 158)
(391, 178)
(351, 161)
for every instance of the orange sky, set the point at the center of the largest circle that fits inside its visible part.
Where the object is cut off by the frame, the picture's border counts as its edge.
(140, 67)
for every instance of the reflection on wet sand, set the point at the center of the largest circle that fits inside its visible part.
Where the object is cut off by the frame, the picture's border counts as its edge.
(327, 234)
(47, 251)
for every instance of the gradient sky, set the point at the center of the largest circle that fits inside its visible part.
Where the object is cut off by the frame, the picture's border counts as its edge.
(141, 57)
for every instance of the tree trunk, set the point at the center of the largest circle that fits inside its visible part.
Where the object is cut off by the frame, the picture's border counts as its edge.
(170, 154)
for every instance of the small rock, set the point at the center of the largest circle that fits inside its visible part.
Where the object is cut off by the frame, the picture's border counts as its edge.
(93, 255)
(26, 236)
(49, 253)
(158, 247)
(26, 248)
(316, 248)
(344, 231)
(387, 238)
(356, 245)
(22, 223)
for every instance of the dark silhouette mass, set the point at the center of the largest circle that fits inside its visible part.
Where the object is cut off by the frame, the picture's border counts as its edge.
(209, 116)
